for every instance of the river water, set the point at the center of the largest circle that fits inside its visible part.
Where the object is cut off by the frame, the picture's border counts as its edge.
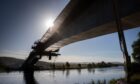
(74, 76)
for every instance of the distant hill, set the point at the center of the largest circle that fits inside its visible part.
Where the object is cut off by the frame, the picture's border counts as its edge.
(9, 63)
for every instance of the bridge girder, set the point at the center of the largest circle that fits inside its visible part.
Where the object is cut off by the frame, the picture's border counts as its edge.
(84, 19)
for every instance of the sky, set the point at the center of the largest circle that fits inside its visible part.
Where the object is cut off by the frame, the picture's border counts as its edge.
(24, 21)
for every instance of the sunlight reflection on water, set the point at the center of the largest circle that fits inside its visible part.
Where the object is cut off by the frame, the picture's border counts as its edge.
(74, 76)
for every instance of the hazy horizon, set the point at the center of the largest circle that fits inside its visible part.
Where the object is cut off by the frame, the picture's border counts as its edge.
(24, 22)
(67, 54)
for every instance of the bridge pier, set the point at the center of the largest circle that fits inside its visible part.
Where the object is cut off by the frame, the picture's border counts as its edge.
(127, 60)
(30, 61)
(36, 54)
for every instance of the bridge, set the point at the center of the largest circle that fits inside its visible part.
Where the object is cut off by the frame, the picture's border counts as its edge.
(84, 19)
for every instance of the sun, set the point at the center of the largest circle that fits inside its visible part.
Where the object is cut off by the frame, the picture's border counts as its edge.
(49, 23)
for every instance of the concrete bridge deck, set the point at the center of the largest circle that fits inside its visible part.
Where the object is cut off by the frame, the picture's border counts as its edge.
(84, 19)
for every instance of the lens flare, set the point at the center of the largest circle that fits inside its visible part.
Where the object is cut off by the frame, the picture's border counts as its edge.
(49, 23)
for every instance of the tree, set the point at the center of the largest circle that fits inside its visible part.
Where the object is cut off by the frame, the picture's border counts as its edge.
(136, 49)
(79, 65)
(53, 65)
(67, 65)
(89, 65)
(93, 65)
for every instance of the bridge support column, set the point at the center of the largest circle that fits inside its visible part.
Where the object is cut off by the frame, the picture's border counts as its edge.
(127, 60)
(34, 57)
(31, 60)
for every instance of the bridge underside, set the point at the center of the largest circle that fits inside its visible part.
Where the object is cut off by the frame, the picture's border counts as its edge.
(128, 23)
(84, 19)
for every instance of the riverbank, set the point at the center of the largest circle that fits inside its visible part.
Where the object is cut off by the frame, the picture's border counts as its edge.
(10, 64)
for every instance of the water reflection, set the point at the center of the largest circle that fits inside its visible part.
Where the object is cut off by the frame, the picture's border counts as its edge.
(89, 70)
(93, 71)
(67, 76)
(63, 71)
(102, 70)
(29, 77)
(67, 72)
(79, 71)
(53, 73)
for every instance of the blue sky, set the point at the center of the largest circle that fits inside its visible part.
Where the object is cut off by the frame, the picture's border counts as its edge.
(103, 48)
(23, 22)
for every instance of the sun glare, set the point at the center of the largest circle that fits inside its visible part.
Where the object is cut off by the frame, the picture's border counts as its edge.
(49, 23)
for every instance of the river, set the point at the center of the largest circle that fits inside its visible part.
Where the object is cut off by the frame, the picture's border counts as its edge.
(74, 76)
